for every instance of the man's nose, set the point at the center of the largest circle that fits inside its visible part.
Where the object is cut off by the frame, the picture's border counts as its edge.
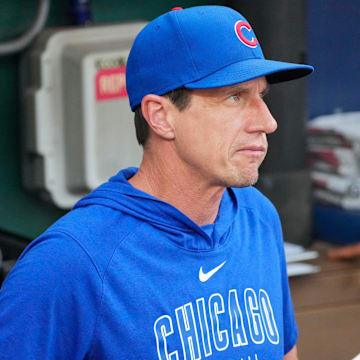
(270, 122)
(262, 121)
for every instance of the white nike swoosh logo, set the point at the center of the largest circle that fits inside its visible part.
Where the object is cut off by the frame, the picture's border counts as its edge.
(206, 276)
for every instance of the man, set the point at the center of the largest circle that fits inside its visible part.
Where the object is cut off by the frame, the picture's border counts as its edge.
(182, 258)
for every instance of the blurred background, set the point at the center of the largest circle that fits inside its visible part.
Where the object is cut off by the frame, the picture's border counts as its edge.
(65, 128)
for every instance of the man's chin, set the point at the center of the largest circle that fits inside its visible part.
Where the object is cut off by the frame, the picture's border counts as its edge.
(244, 181)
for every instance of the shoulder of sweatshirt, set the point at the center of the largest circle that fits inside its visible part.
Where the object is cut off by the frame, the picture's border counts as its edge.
(93, 231)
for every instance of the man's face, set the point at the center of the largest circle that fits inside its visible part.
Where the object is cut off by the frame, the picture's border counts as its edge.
(221, 136)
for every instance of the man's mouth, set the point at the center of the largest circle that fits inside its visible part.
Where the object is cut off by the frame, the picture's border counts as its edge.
(252, 150)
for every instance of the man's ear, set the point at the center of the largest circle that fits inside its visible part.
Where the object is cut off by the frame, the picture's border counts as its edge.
(157, 112)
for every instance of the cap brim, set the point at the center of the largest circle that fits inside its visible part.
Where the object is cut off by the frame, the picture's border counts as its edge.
(275, 72)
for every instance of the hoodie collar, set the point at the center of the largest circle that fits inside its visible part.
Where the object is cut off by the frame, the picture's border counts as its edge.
(120, 195)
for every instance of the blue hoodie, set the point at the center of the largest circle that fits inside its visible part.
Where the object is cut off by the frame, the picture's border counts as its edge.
(127, 276)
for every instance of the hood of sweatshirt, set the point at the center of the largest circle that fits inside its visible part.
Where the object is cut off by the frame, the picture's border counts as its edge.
(119, 195)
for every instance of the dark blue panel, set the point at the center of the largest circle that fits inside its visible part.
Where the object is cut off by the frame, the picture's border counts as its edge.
(336, 225)
(334, 50)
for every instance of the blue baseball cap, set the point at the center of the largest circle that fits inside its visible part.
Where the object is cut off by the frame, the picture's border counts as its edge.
(198, 48)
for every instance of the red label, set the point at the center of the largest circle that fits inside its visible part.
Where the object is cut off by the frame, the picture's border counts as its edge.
(110, 83)
(239, 26)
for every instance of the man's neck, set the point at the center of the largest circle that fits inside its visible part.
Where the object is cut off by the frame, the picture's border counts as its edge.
(180, 187)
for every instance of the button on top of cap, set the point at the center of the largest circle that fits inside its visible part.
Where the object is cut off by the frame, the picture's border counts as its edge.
(177, 8)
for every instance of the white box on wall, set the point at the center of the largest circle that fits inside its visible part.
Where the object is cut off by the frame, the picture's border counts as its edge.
(78, 129)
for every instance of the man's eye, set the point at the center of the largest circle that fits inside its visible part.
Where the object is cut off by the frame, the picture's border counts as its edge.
(234, 98)
(262, 95)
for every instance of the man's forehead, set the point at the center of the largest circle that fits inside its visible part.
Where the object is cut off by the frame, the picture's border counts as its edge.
(259, 84)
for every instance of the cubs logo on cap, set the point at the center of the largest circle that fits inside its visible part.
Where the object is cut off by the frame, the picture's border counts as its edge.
(239, 27)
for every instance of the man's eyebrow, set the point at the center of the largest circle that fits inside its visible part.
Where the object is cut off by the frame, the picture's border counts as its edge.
(243, 88)
(238, 88)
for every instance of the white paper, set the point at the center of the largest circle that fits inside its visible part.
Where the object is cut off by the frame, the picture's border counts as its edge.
(295, 253)
(295, 269)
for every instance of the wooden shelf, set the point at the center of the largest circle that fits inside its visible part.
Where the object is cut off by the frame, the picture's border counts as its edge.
(327, 309)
